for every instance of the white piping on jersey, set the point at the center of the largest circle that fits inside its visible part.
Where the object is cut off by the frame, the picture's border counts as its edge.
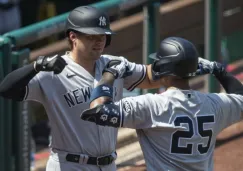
(121, 114)
(134, 85)
(26, 92)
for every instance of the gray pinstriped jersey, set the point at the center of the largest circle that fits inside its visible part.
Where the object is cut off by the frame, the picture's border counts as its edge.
(177, 129)
(66, 95)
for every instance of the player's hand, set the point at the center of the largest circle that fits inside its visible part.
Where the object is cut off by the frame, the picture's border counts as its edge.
(46, 63)
(118, 68)
(204, 66)
(207, 67)
(105, 115)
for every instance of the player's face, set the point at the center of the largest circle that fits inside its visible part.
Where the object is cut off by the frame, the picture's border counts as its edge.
(91, 46)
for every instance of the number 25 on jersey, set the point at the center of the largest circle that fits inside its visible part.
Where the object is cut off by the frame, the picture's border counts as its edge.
(188, 134)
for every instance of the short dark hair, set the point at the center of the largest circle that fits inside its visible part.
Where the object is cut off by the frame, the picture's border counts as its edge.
(70, 43)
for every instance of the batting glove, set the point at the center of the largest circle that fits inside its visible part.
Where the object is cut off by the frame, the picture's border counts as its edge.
(118, 68)
(105, 115)
(207, 67)
(54, 63)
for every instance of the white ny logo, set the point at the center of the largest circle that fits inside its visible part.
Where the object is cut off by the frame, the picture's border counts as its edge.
(102, 21)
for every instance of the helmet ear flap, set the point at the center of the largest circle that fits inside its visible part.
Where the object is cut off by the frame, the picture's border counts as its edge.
(108, 40)
(156, 70)
(156, 66)
(161, 65)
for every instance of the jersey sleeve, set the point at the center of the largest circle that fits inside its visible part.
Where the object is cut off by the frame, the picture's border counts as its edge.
(229, 109)
(34, 90)
(140, 112)
(138, 75)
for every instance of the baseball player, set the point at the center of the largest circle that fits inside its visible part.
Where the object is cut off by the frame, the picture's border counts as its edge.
(176, 129)
(63, 84)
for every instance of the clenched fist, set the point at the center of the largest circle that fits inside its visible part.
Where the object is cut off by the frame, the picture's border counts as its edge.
(54, 63)
(118, 68)
(208, 67)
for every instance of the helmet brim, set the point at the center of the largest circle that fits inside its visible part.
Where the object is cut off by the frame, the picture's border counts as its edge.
(153, 56)
(95, 31)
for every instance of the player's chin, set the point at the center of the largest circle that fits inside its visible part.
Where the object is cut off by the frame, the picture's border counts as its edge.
(96, 54)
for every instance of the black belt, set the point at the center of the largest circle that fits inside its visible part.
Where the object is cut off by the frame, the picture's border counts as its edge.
(99, 161)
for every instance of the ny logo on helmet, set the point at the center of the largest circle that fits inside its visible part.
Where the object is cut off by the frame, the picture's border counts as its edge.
(102, 21)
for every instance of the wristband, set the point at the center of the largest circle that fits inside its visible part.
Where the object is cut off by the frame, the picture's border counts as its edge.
(101, 90)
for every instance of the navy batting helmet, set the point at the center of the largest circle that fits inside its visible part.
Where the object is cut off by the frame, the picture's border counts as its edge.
(89, 20)
(176, 57)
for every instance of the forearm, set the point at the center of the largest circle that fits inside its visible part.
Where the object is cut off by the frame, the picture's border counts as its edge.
(101, 110)
(100, 101)
(13, 85)
(148, 82)
(229, 82)
(107, 79)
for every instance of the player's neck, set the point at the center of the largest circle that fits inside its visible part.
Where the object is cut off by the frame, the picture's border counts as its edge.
(183, 85)
(88, 65)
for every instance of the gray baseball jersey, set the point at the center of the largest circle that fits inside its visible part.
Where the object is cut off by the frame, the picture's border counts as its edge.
(177, 129)
(64, 97)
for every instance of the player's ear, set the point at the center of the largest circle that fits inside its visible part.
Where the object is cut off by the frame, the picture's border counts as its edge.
(72, 36)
